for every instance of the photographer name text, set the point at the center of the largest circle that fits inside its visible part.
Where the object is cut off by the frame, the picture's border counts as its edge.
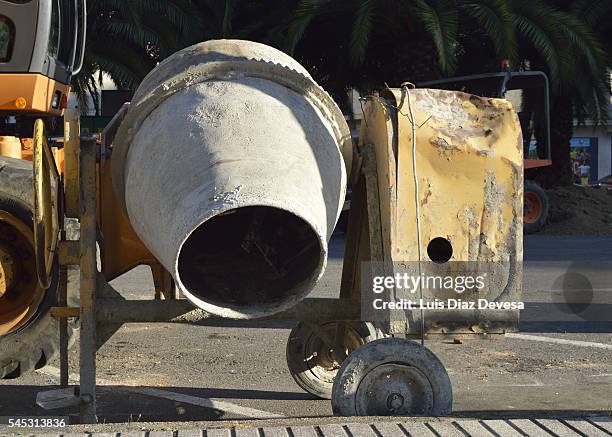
(447, 304)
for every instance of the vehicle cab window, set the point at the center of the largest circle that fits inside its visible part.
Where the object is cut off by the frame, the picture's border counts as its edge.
(62, 32)
(7, 37)
(54, 30)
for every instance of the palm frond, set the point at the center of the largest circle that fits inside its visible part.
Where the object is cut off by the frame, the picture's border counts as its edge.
(139, 35)
(495, 17)
(583, 40)
(226, 27)
(593, 12)
(306, 11)
(534, 24)
(360, 32)
(440, 20)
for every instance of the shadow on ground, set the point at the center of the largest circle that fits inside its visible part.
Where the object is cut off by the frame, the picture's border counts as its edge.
(127, 404)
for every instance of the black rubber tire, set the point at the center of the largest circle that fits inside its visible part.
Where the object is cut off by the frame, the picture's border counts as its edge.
(36, 342)
(296, 356)
(391, 351)
(535, 189)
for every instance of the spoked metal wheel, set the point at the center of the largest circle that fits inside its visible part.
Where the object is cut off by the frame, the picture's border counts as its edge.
(316, 352)
(392, 377)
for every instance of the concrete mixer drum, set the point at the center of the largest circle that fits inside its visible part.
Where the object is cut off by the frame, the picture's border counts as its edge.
(244, 158)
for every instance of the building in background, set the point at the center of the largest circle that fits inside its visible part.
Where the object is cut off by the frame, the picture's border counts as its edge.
(592, 146)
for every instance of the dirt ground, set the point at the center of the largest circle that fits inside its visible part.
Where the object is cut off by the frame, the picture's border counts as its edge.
(579, 211)
(558, 366)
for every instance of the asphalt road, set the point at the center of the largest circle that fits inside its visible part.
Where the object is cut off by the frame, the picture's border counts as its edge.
(561, 364)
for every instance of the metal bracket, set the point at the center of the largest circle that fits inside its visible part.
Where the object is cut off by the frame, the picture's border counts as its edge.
(65, 312)
(69, 253)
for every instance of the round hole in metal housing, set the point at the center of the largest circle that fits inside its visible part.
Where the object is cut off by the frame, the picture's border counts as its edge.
(440, 250)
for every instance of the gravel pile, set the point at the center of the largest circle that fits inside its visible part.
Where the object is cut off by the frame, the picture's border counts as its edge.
(578, 210)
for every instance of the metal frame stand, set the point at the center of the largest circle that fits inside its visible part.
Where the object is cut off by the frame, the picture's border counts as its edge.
(102, 310)
(88, 283)
(62, 301)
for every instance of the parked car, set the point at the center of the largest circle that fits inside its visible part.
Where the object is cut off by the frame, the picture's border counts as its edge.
(605, 183)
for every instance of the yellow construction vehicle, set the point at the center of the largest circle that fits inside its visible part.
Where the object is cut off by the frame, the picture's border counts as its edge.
(227, 173)
(41, 48)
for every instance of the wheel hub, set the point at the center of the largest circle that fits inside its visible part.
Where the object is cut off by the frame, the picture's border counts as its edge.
(532, 208)
(324, 359)
(394, 389)
(20, 293)
(395, 402)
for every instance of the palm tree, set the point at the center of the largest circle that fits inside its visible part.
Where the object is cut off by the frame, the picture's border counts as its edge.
(126, 38)
(364, 43)
(512, 26)
(371, 18)
(564, 44)
(596, 15)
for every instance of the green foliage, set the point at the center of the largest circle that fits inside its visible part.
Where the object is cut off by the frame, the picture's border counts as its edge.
(365, 43)
(496, 21)
(465, 36)
(127, 38)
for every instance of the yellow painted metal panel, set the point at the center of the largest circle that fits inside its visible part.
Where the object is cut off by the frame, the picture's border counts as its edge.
(470, 172)
(378, 130)
(469, 166)
(72, 133)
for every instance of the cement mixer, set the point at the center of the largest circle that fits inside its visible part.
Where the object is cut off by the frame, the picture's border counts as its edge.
(227, 173)
(242, 154)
